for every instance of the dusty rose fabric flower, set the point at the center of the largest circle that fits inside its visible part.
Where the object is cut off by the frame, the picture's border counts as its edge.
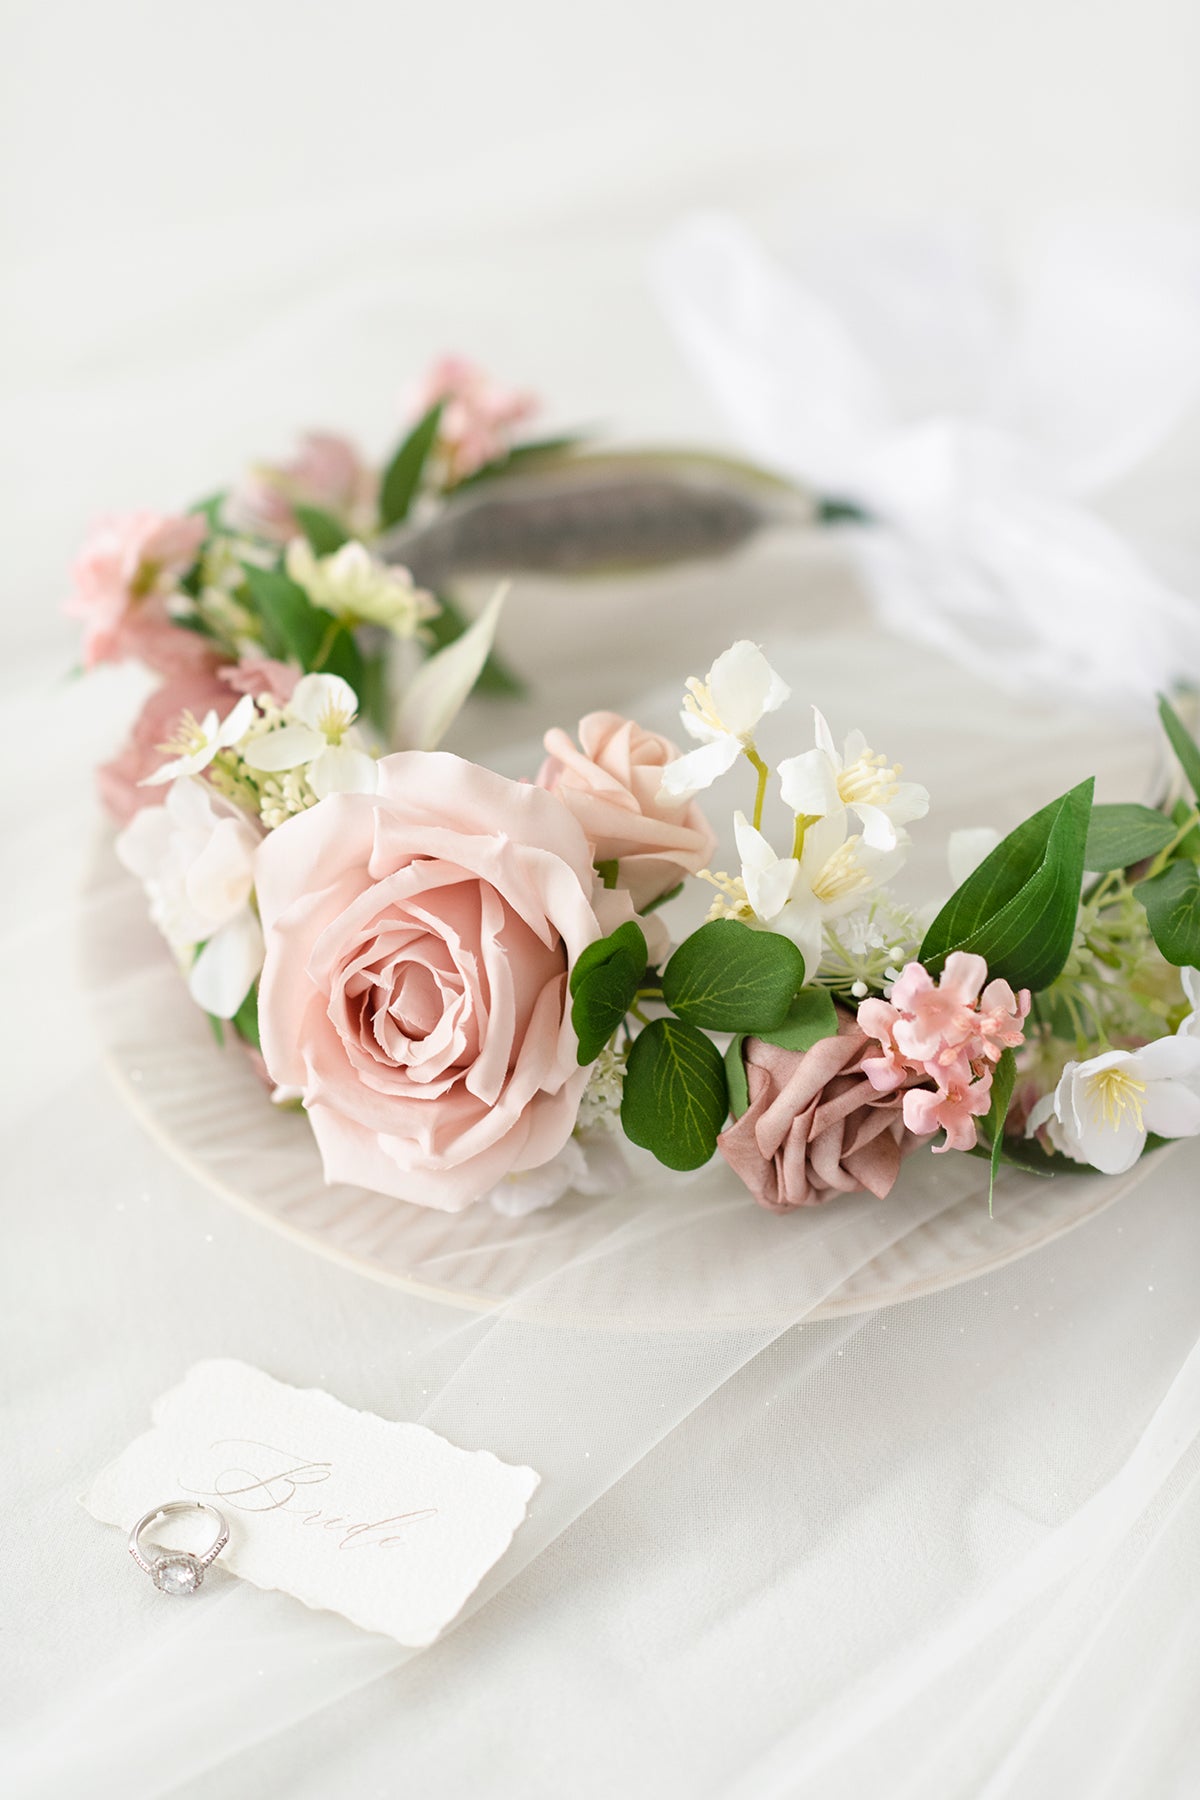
(195, 691)
(478, 416)
(415, 983)
(126, 567)
(611, 783)
(815, 1126)
(326, 472)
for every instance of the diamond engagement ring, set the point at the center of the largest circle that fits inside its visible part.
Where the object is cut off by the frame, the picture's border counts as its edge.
(178, 1571)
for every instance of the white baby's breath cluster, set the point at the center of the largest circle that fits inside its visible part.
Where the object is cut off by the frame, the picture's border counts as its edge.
(600, 1107)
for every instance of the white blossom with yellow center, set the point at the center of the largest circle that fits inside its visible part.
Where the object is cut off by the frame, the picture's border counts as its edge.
(1102, 1109)
(196, 742)
(797, 895)
(722, 713)
(819, 783)
(318, 736)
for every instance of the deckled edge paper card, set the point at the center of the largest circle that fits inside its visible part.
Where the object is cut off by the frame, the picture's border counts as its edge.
(381, 1521)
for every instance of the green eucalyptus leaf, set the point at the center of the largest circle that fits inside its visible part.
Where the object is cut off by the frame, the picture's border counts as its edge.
(735, 1077)
(609, 871)
(1182, 743)
(1172, 903)
(811, 1017)
(729, 977)
(1018, 909)
(402, 478)
(1119, 836)
(343, 657)
(324, 533)
(293, 628)
(603, 983)
(675, 1099)
(1188, 846)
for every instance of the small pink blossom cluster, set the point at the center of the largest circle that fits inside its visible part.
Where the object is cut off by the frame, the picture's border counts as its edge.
(950, 1033)
(479, 414)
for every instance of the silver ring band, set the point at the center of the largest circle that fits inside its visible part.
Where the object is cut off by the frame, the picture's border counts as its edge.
(177, 1571)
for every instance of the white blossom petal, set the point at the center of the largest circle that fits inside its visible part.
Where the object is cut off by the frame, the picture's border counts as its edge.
(697, 769)
(1168, 1059)
(234, 726)
(1113, 1148)
(752, 847)
(1171, 1110)
(436, 694)
(341, 769)
(808, 783)
(878, 830)
(744, 687)
(220, 879)
(325, 702)
(224, 972)
(288, 748)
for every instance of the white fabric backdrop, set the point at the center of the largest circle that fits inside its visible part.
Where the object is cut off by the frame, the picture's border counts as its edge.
(943, 1551)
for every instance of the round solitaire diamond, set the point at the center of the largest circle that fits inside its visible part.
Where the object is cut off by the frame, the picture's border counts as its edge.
(178, 1574)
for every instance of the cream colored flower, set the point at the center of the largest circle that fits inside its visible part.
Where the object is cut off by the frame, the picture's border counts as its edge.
(359, 589)
(820, 781)
(320, 738)
(1102, 1109)
(722, 713)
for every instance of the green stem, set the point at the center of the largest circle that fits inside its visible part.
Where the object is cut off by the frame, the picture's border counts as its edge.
(326, 645)
(764, 775)
(1161, 860)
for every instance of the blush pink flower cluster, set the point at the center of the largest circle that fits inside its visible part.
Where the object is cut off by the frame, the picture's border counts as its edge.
(479, 415)
(950, 1033)
(122, 576)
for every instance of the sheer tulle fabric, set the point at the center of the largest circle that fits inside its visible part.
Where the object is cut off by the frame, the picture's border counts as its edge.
(924, 1545)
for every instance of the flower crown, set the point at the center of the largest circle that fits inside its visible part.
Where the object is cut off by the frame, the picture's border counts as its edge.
(464, 981)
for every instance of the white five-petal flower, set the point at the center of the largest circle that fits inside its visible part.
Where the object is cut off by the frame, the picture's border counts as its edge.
(819, 782)
(318, 737)
(198, 743)
(1102, 1109)
(796, 895)
(722, 713)
(195, 858)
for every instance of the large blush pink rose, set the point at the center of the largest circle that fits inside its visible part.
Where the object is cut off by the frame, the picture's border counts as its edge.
(610, 783)
(415, 984)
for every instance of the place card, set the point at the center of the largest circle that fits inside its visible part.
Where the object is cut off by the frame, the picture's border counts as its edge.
(382, 1521)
